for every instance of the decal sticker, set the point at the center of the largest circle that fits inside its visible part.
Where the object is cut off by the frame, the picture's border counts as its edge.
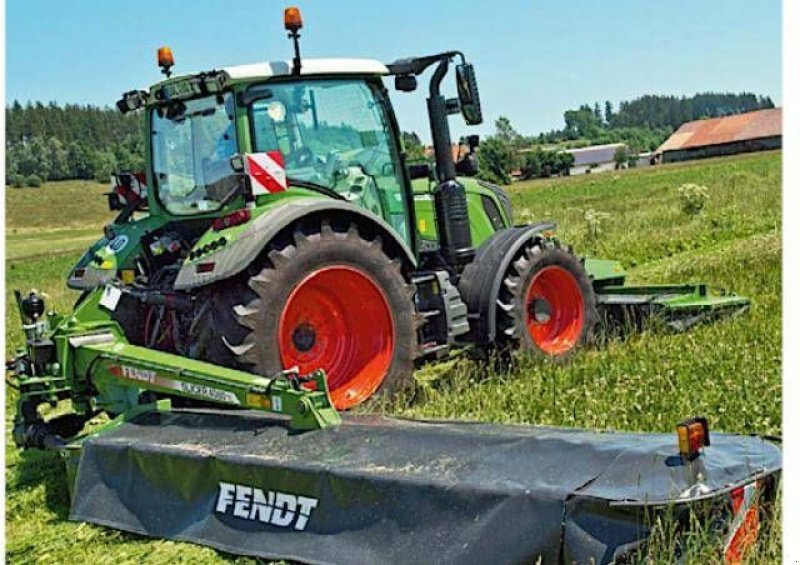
(118, 244)
(266, 171)
(204, 391)
(281, 509)
(258, 401)
(110, 298)
(136, 374)
(148, 376)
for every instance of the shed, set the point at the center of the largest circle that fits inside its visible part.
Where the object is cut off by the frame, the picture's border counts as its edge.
(752, 131)
(594, 159)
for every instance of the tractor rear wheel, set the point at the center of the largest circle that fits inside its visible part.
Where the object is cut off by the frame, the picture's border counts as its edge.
(324, 299)
(546, 304)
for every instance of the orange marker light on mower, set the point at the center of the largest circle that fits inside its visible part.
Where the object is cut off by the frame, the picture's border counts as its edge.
(292, 20)
(692, 437)
(165, 59)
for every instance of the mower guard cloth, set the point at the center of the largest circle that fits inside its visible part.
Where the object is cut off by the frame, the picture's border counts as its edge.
(385, 490)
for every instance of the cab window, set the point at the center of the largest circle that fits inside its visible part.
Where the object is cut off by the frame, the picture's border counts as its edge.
(192, 142)
(334, 134)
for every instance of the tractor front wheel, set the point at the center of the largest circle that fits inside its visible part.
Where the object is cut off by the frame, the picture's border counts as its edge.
(546, 303)
(324, 299)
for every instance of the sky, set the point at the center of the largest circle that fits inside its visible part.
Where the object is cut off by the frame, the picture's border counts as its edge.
(533, 59)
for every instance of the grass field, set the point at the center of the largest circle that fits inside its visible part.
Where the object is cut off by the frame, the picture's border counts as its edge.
(729, 371)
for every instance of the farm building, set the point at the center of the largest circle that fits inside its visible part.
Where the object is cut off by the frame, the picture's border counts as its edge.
(645, 159)
(594, 159)
(456, 150)
(751, 131)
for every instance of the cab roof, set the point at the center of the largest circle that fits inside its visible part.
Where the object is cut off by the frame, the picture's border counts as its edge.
(269, 69)
(254, 71)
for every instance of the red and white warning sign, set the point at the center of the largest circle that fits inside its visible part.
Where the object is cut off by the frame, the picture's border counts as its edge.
(131, 188)
(745, 524)
(266, 171)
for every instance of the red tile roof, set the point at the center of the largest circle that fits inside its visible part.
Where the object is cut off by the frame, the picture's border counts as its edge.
(715, 131)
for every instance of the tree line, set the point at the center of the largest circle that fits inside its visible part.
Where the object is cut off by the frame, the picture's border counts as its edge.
(51, 142)
(508, 150)
(642, 125)
(648, 120)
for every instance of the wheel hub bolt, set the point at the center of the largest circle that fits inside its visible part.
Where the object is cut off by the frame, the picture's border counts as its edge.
(304, 337)
(540, 310)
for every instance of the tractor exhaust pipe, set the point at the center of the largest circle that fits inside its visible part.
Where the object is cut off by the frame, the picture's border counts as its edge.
(450, 198)
(440, 127)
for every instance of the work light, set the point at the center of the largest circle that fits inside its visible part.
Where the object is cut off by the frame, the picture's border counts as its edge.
(292, 20)
(165, 59)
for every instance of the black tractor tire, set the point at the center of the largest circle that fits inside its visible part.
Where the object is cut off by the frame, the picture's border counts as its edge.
(559, 275)
(240, 320)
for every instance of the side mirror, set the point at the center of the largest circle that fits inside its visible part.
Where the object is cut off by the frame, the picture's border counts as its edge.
(467, 86)
(405, 83)
(239, 168)
(419, 171)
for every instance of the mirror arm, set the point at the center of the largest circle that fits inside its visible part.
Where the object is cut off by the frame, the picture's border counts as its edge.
(417, 65)
(437, 105)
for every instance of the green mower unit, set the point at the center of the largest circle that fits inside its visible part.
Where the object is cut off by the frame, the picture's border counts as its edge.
(85, 358)
(279, 260)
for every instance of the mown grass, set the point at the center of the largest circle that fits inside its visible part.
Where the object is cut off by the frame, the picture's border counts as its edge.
(729, 371)
(56, 206)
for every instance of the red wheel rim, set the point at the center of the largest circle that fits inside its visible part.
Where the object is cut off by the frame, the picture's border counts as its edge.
(555, 310)
(338, 319)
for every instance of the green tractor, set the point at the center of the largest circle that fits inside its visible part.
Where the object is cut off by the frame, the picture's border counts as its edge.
(279, 226)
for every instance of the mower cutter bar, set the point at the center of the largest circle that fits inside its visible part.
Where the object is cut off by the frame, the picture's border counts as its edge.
(680, 306)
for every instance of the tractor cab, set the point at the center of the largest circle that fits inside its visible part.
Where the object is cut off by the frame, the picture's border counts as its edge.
(250, 135)
(328, 130)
